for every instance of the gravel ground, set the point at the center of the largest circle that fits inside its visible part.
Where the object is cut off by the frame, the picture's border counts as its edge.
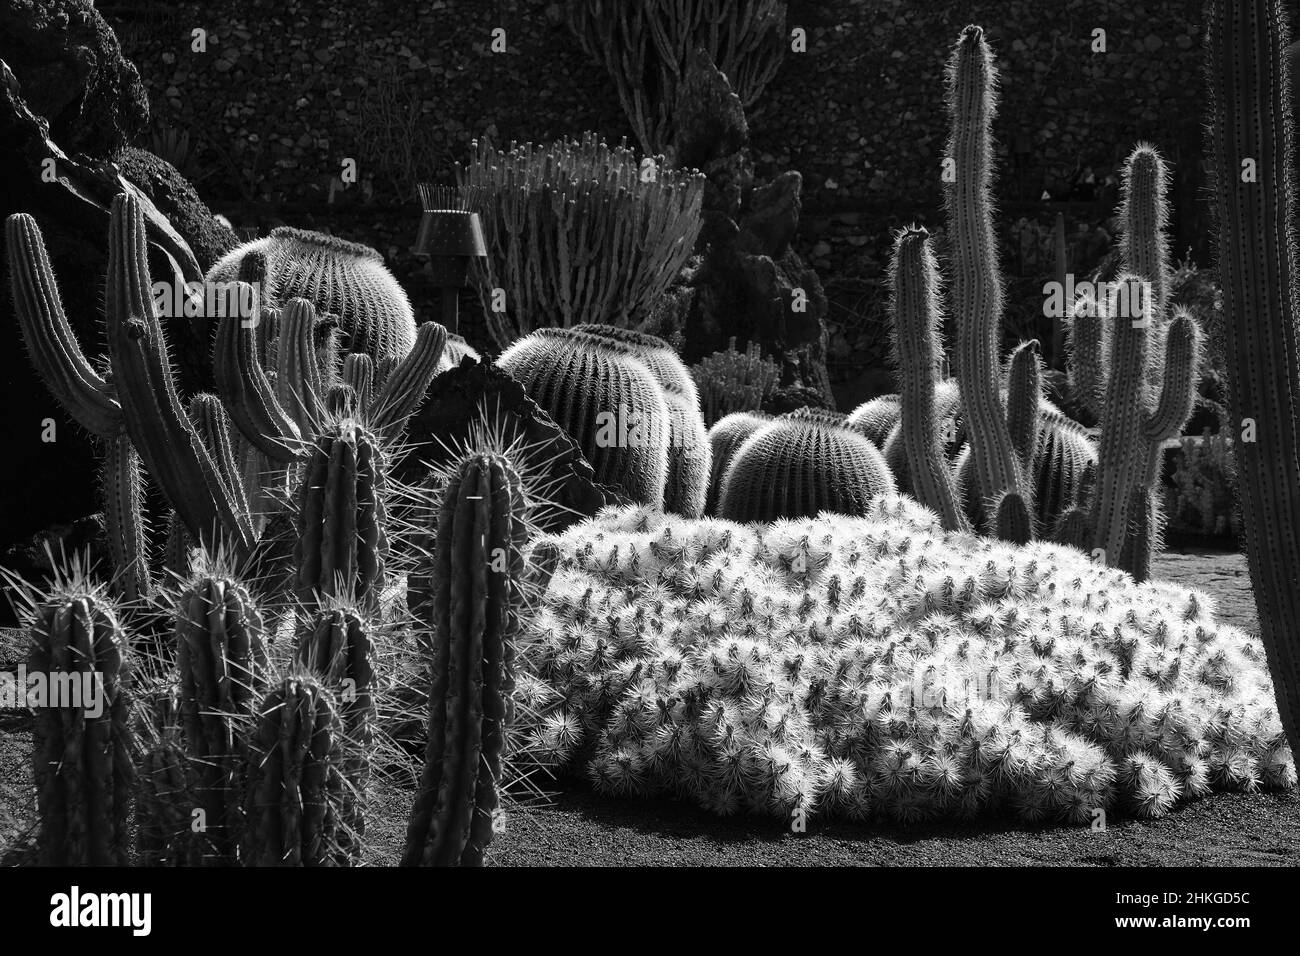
(577, 828)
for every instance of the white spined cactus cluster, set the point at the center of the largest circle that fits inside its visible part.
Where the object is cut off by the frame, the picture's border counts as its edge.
(878, 665)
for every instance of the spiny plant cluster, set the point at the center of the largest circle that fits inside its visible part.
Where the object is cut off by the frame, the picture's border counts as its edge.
(880, 665)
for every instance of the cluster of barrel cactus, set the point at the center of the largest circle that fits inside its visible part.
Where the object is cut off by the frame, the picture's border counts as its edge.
(881, 665)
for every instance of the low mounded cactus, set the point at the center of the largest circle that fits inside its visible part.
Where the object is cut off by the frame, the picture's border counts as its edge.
(83, 754)
(800, 464)
(880, 666)
(476, 578)
(343, 278)
(725, 438)
(608, 401)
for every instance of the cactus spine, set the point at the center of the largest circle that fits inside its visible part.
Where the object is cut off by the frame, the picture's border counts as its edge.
(476, 578)
(219, 653)
(295, 784)
(976, 283)
(342, 538)
(1251, 116)
(916, 352)
(82, 757)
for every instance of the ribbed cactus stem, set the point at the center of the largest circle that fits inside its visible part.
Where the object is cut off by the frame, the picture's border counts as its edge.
(476, 574)
(1013, 520)
(54, 351)
(1089, 348)
(299, 384)
(162, 434)
(404, 389)
(295, 778)
(248, 392)
(209, 418)
(976, 283)
(1144, 248)
(916, 351)
(359, 373)
(1024, 398)
(1251, 116)
(219, 655)
(124, 518)
(82, 754)
(342, 539)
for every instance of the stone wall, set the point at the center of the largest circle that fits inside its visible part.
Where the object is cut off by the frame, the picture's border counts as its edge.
(287, 89)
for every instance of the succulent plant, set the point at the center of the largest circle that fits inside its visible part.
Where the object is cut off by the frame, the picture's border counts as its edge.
(1251, 115)
(607, 400)
(295, 778)
(799, 465)
(83, 745)
(343, 278)
(725, 438)
(476, 578)
(731, 381)
(877, 418)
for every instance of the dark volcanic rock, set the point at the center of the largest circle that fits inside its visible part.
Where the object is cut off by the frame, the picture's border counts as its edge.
(176, 199)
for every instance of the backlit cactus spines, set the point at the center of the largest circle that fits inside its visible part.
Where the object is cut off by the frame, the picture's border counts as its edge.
(403, 390)
(976, 286)
(248, 393)
(1251, 116)
(219, 655)
(53, 349)
(916, 353)
(689, 453)
(606, 399)
(725, 438)
(1024, 399)
(82, 754)
(210, 421)
(947, 415)
(343, 278)
(801, 464)
(359, 375)
(295, 778)
(476, 575)
(876, 418)
(1088, 347)
(299, 381)
(124, 518)
(341, 520)
(456, 351)
(730, 381)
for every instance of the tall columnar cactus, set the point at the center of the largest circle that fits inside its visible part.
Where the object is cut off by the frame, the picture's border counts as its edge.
(1251, 129)
(82, 751)
(476, 575)
(1148, 395)
(343, 278)
(803, 463)
(689, 453)
(125, 525)
(295, 779)
(342, 540)
(725, 438)
(976, 283)
(219, 655)
(606, 399)
(916, 353)
(578, 232)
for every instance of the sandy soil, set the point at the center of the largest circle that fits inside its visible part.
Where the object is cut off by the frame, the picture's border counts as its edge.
(577, 828)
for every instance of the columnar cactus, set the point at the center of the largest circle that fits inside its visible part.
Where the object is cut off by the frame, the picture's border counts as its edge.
(476, 575)
(916, 353)
(730, 381)
(1135, 420)
(1251, 118)
(343, 278)
(976, 283)
(800, 464)
(689, 453)
(219, 654)
(606, 399)
(295, 779)
(82, 751)
(125, 526)
(342, 540)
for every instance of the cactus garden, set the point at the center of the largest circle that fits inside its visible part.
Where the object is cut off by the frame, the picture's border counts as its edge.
(535, 492)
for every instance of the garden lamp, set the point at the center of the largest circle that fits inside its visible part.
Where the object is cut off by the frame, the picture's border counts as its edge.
(450, 236)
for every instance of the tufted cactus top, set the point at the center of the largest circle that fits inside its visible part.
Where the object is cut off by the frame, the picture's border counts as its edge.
(343, 278)
(801, 464)
(608, 401)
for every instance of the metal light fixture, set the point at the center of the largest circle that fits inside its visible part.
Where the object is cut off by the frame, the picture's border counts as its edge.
(450, 236)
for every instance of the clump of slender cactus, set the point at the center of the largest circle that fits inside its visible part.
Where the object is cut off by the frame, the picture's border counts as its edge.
(343, 278)
(607, 400)
(730, 381)
(83, 740)
(475, 580)
(800, 464)
(880, 666)
(578, 232)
